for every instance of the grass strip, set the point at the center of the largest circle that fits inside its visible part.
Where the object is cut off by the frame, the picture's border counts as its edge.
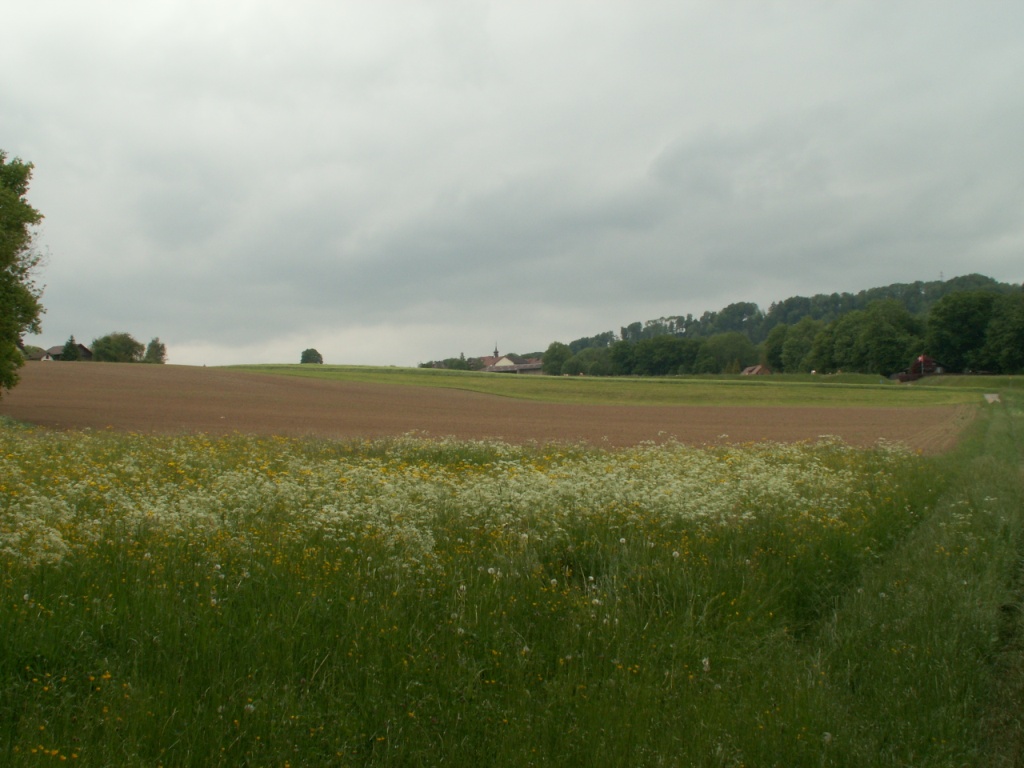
(797, 390)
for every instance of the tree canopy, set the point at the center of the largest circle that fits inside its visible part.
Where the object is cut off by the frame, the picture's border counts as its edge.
(555, 357)
(957, 328)
(156, 352)
(311, 356)
(70, 351)
(968, 323)
(20, 306)
(117, 347)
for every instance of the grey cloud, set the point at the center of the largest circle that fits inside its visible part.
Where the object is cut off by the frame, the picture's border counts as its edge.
(220, 174)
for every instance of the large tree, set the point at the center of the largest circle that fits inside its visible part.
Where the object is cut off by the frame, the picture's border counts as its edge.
(890, 338)
(726, 353)
(1004, 341)
(663, 355)
(957, 326)
(555, 357)
(796, 347)
(771, 347)
(117, 348)
(156, 352)
(20, 307)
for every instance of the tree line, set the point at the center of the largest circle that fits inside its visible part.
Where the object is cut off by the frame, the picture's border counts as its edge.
(967, 324)
(118, 347)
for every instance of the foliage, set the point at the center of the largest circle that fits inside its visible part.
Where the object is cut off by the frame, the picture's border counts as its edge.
(956, 329)
(726, 352)
(880, 339)
(916, 298)
(118, 347)
(622, 355)
(879, 330)
(600, 341)
(795, 354)
(70, 352)
(591, 361)
(555, 357)
(662, 355)
(771, 348)
(20, 306)
(1004, 337)
(890, 338)
(311, 356)
(156, 352)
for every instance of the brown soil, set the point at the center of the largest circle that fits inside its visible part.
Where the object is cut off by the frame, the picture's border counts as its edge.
(177, 399)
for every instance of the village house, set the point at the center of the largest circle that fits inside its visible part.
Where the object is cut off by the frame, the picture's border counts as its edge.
(497, 363)
(55, 353)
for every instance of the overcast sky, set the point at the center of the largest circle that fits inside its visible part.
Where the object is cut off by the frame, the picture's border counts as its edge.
(394, 182)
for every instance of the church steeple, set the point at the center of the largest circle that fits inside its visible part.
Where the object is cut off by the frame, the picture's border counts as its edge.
(496, 350)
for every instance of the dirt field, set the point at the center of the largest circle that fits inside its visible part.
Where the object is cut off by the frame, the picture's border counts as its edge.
(175, 399)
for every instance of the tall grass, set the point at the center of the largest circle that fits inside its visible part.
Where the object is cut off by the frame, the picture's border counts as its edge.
(250, 601)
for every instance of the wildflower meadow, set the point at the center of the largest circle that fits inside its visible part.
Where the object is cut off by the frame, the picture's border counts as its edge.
(246, 601)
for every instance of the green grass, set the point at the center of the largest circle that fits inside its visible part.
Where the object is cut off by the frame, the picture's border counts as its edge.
(796, 390)
(258, 601)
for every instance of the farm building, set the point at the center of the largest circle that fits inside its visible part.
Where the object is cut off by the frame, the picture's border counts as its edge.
(55, 353)
(505, 364)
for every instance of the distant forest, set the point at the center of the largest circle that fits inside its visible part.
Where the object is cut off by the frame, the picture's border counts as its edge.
(967, 324)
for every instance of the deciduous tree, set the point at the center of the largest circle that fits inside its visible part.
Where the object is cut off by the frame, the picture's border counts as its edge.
(311, 356)
(117, 347)
(1004, 342)
(796, 348)
(771, 348)
(726, 351)
(156, 352)
(957, 326)
(20, 307)
(555, 357)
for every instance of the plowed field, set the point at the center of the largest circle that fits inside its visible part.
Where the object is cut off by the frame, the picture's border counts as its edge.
(176, 399)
